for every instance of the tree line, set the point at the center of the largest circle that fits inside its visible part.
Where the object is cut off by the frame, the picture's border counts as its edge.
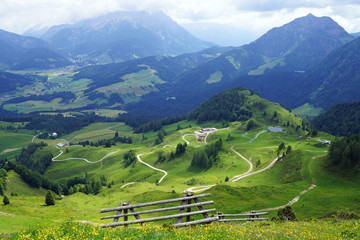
(107, 142)
(205, 159)
(26, 158)
(180, 150)
(224, 106)
(344, 152)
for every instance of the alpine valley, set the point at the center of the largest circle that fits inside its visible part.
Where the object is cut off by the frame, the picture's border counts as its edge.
(130, 107)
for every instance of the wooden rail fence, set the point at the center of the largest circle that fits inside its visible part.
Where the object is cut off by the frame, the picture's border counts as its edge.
(252, 216)
(125, 210)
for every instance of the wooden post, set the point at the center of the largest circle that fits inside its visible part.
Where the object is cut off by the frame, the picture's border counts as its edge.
(220, 215)
(189, 208)
(118, 213)
(183, 202)
(125, 212)
(251, 216)
(201, 208)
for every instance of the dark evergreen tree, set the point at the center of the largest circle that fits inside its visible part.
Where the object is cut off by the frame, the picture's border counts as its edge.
(49, 198)
(6, 200)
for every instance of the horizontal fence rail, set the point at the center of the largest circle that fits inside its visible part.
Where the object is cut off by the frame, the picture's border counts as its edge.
(126, 210)
(252, 216)
(154, 203)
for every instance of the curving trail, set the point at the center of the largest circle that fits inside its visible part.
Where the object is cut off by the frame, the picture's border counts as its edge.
(32, 140)
(295, 199)
(167, 146)
(199, 188)
(156, 169)
(83, 159)
(250, 169)
(237, 178)
(183, 137)
(127, 184)
(241, 176)
(312, 186)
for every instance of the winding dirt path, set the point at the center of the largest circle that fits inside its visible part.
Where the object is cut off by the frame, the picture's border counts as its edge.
(199, 188)
(250, 169)
(156, 169)
(9, 150)
(295, 199)
(237, 177)
(54, 159)
(183, 137)
(127, 184)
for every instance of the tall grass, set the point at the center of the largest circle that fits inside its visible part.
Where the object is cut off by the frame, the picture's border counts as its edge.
(325, 229)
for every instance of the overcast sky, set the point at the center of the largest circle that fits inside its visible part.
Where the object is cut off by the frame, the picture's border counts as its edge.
(254, 16)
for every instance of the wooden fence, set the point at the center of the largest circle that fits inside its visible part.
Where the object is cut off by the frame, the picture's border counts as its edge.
(186, 204)
(252, 216)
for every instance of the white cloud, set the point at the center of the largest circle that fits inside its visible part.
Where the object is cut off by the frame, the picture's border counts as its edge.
(257, 16)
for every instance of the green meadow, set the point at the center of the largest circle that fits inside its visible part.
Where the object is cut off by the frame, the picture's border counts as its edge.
(274, 187)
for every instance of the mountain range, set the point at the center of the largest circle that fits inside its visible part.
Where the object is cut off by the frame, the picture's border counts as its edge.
(122, 36)
(20, 52)
(309, 63)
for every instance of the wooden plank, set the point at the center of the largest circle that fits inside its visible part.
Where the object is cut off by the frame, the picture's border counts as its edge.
(162, 209)
(156, 218)
(135, 213)
(244, 215)
(243, 219)
(117, 213)
(205, 220)
(201, 208)
(182, 210)
(154, 203)
(188, 210)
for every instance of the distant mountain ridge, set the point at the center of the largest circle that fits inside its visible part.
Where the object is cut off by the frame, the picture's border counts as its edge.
(17, 51)
(302, 44)
(123, 36)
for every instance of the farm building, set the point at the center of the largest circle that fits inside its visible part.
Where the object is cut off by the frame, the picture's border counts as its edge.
(326, 142)
(201, 137)
(207, 130)
(274, 129)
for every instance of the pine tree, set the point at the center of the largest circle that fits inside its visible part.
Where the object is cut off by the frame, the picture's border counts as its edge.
(49, 198)
(6, 200)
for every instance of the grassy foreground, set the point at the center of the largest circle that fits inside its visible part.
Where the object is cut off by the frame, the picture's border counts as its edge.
(318, 229)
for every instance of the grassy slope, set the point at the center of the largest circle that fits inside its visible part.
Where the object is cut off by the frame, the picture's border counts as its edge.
(267, 189)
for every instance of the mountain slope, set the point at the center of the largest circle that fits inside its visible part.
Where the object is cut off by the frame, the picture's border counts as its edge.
(123, 36)
(9, 82)
(341, 119)
(295, 46)
(19, 52)
(301, 43)
(337, 78)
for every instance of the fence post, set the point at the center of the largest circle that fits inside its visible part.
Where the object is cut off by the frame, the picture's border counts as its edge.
(220, 215)
(125, 212)
(251, 216)
(188, 194)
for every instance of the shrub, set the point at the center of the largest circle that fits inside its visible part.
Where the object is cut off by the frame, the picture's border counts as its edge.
(345, 214)
(286, 214)
(49, 198)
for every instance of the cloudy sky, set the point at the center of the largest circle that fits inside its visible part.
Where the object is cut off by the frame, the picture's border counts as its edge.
(238, 17)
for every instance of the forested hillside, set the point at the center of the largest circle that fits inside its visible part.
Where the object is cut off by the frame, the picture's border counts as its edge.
(341, 119)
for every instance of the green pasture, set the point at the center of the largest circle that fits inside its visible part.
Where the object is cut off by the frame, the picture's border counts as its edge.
(271, 188)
